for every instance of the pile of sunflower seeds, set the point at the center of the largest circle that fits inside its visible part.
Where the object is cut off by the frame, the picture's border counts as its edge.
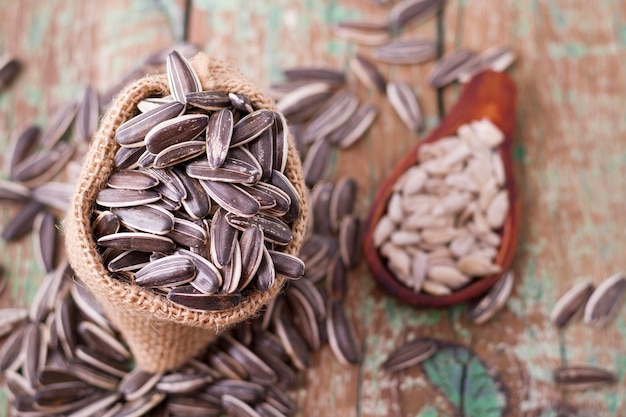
(441, 226)
(191, 162)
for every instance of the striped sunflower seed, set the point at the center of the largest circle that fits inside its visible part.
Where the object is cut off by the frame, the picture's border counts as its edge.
(302, 102)
(406, 51)
(281, 142)
(222, 237)
(332, 115)
(145, 218)
(366, 33)
(208, 279)
(367, 73)
(22, 223)
(181, 77)
(251, 243)
(132, 180)
(143, 242)
(274, 230)
(287, 265)
(170, 132)
(112, 197)
(41, 167)
(232, 170)
(87, 115)
(323, 74)
(605, 301)
(129, 261)
(232, 198)
(132, 133)
(22, 146)
(450, 66)
(279, 180)
(170, 271)
(178, 153)
(46, 232)
(138, 383)
(59, 125)
(494, 300)
(404, 102)
(291, 340)
(316, 162)
(12, 192)
(9, 69)
(209, 100)
(251, 127)
(570, 303)
(219, 133)
(191, 298)
(409, 354)
(411, 12)
(582, 377)
(105, 224)
(341, 335)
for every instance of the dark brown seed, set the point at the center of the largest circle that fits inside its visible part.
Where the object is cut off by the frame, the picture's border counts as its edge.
(286, 375)
(45, 227)
(450, 66)
(132, 132)
(265, 275)
(263, 148)
(58, 125)
(129, 261)
(141, 406)
(196, 203)
(170, 132)
(404, 102)
(282, 200)
(331, 116)
(100, 361)
(605, 301)
(147, 218)
(103, 341)
(112, 197)
(304, 318)
(341, 335)
(94, 376)
(137, 383)
(410, 12)
(240, 102)
(342, 201)
(132, 180)
(232, 198)
(295, 346)
(179, 383)
(493, 301)
(301, 103)
(181, 77)
(195, 405)
(232, 170)
(410, 354)
(22, 146)
(13, 192)
(247, 391)
(316, 161)
(251, 243)
(582, 377)
(209, 100)
(281, 181)
(187, 233)
(178, 153)
(355, 127)
(367, 73)
(324, 74)
(62, 393)
(105, 224)
(39, 168)
(259, 371)
(193, 299)
(87, 115)
(9, 69)
(320, 202)
(208, 278)
(226, 365)
(97, 404)
(219, 133)
(232, 271)
(11, 353)
(287, 265)
(280, 400)
(170, 271)
(65, 320)
(265, 199)
(128, 158)
(281, 142)
(350, 241)
(170, 184)
(571, 303)
(366, 33)
(274, 229)
(222, 237)
(10, 318)
(406, 51)
(22, 223)
(336, 280)
(251, 126)
(236, 407)
(143, 242)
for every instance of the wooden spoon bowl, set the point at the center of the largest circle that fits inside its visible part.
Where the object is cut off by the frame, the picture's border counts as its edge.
(491, 95)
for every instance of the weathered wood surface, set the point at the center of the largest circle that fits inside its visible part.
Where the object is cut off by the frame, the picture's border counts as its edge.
(570, 156)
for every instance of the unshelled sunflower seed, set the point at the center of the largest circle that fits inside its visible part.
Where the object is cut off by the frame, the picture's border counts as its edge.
(404, 102)
(582, 377)
(409, 354)
(181, 77)
(494, 300)
(366, 33)
(605, 301)
(570, 303)
(410, 12)
(406, 51)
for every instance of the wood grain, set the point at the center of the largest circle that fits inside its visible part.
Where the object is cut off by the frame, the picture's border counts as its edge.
(570, 157)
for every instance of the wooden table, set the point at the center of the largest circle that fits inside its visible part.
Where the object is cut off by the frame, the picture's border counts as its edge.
(570, 156)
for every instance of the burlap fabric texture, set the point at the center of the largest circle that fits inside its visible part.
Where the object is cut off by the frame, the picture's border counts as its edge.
(161, 335)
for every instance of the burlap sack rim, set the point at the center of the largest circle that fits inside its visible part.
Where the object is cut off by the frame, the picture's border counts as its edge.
(81, 247)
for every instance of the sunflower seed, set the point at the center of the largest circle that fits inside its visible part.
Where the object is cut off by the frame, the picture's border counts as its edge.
(409, 354)
(40, 167)
(349, 241)
(22, 223)
(341, 335)
(94, 376)
(266, 274)
(146, 218)
(62, 393)
(132, 180)
(219, 133)
(405, 52)
(320, 201)
(198, 405)
(287, 265)
(112, 197)
(181, 77)
(10, 318)
(293, 343)
(152, 103)
(582, 377)
(170, 184)
(232, 271)
(9, 69)
(268, 410)
(231, 198)
(129, 158)
(170, 271)
(22, 146)
(355, 127)
(570, 303)
(263, 147)
(11, 353)
(304, 318)
(286, 376)
(143, 242)
(103, 341)
(179, 129)
(279, 180)
(316, 162)
(179, 383)
(274, 229)
(494, 300)
(12, 192)
(87, 115)
(366, 33)
(105, 224)
(332, 115)
(196, 300)
(450, 66)
(281, 142)
(410, 12)
(302, 102)
(259, 371)
(141, 406)
(45, 226)
(101, 362)
(251, 243)
(137, 383)
(251, 127)
(96, 406)
(232, 170)
(132, 132)
(209, 100)
(405, 104)
(605, 301)
(129, 261)
(178, 153)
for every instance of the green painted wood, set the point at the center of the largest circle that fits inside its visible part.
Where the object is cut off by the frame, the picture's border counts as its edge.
(570, 154)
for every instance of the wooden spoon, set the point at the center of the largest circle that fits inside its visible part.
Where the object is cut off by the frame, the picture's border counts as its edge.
(489, 95)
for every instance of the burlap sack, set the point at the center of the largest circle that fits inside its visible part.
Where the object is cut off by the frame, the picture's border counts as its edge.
(160, 334)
